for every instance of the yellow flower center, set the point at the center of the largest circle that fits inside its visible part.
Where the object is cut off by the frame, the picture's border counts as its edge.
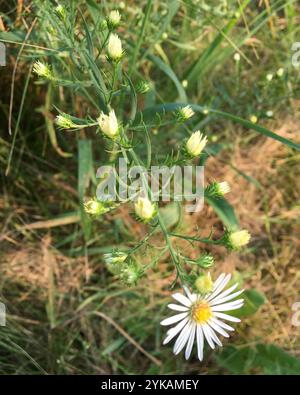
(201, 312)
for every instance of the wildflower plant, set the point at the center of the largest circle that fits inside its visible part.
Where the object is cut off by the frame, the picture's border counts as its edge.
(101, 64)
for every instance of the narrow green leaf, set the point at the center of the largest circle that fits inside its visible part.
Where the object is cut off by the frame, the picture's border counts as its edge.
(225, 212)
(170, 73)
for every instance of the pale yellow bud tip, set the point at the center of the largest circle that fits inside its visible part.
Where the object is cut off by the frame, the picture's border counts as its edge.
(239, 239)
(196, 143)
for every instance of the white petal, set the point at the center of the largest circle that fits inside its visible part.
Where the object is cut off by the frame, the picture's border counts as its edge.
(218, 280)
(190, 344)
(174, 331)
(220, 287)
(220, 300)
(182, 338)
(229, 306)
(227, 292)
(187, 291)
(192, 297)
(207, 336)
(173, 319)
(217, 328)
(222, 324)
(227, 317)
(177, 307)
(213, 336)
(182, 299)
(200, 342)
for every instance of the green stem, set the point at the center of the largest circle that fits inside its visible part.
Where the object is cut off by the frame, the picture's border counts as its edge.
(160, 220)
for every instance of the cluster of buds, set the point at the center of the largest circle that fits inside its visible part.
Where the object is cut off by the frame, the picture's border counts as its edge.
(145, 209)
(217, 189)
(195, 144)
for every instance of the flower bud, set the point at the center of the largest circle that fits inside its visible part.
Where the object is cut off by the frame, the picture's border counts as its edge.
(144, 209)
(109, 124)
(184, 113)
(64, 121)
(61, 11)
(253, 118)
(115, 257)
(237, 57)
(113, 19)
(94, 207)
(143, 87)
(204, 284)
(114, 47)
(222, 188)
(184, 83)
(238, 239)
(43, 70)
(280, 72)
(130, 275)
(196, 143)
(269, 77)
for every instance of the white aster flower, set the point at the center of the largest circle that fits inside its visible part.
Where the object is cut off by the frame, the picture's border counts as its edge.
(196, 143)
(109, 124)
(144, 209)
(201, 317)
(269, 113)
(114, 47)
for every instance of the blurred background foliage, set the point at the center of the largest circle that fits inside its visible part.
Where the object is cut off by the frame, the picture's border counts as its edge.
(66, 314)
